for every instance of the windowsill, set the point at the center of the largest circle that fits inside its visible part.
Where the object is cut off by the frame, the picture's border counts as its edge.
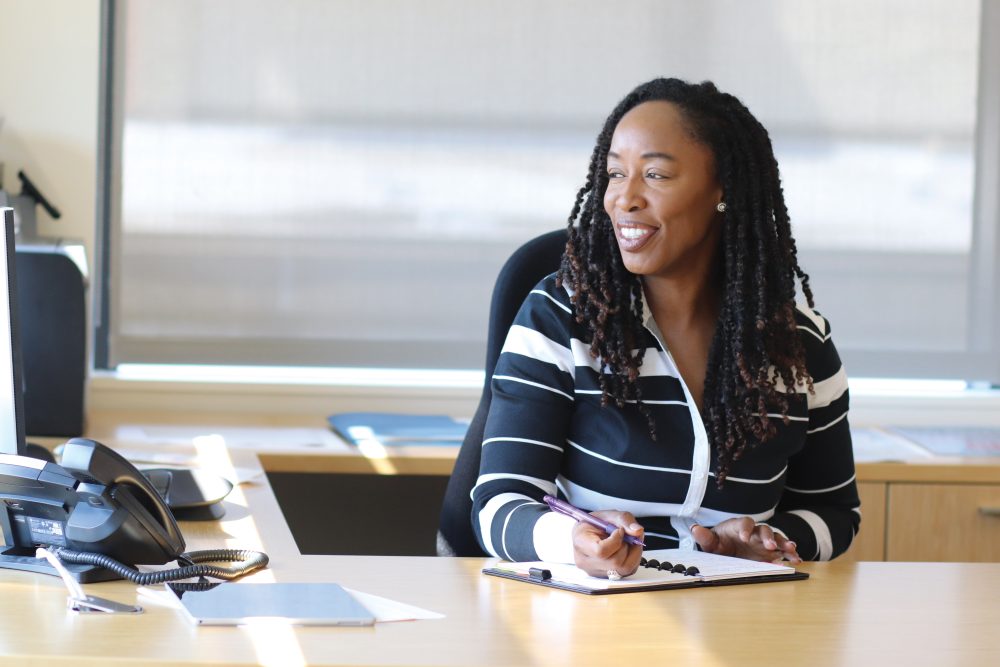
(283, 390)
(321, 391)
(299, 376)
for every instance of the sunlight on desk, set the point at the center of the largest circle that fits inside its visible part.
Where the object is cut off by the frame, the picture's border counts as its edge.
(555, 614)
(213, 455)
(560, 628)
(242, 533)
(274, 642)
(373, 450)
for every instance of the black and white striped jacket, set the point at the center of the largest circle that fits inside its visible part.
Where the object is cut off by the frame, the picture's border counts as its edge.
(547, 432)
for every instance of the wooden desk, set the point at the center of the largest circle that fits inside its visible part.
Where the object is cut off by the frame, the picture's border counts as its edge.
(846, 614)
(957, 500)
(851, 615)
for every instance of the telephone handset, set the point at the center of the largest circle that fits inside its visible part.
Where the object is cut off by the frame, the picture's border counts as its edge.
(123, 516)
(100, 516)
(95, 503)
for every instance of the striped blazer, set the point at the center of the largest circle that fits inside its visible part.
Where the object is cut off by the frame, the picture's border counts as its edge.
(547, 433)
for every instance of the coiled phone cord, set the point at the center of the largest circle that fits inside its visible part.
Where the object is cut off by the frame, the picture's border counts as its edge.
(248, 561)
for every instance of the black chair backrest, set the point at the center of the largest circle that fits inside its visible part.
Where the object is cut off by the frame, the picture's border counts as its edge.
(526, 267)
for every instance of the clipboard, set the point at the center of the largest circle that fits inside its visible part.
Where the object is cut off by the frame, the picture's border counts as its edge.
(712, 570)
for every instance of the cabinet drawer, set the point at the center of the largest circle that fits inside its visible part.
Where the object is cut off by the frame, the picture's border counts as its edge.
(943, 522)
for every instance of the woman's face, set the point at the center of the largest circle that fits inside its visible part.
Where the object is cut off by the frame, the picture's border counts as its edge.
(662, 193)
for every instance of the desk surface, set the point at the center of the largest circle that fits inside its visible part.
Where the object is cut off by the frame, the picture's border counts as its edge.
(845, 614)
(858, 614)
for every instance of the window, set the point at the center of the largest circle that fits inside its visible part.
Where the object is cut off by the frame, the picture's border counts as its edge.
(300, 182)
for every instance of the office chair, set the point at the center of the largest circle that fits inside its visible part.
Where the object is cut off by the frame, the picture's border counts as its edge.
(523, 270)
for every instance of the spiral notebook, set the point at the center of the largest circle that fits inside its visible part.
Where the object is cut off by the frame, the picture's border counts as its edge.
(662, 569)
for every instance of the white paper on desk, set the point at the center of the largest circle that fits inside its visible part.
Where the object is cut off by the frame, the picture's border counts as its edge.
(162, 458)
(235, 475)
(872, 445)
(158, 597)
(237, 438)
(385, 610)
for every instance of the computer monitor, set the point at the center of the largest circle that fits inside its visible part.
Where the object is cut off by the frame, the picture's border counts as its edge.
(11, 389)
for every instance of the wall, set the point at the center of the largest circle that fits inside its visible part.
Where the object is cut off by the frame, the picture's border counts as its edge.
(49, 66)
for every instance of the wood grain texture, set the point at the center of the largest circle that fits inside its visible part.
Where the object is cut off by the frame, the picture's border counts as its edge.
(845, 614)
(869, 544)
(938, 522)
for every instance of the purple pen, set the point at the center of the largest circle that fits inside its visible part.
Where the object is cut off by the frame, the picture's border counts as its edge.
(564, 507)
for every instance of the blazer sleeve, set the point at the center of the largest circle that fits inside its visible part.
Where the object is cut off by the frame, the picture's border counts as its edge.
(820, 510)
(527, 425)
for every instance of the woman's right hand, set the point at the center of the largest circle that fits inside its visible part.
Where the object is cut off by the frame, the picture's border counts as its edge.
(598, 553)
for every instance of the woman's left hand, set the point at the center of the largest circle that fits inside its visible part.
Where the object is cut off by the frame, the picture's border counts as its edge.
(743, 538)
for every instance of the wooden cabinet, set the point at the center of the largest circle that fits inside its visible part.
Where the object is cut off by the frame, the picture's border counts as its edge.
(943, 522)
(870, 542)
(929, 512)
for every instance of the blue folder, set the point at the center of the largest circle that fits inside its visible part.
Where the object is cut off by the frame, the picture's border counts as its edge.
(390, 428)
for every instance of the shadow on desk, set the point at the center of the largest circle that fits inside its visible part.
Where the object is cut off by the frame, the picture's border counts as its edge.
(361, 514)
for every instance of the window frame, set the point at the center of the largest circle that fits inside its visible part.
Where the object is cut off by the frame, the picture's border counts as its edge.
(979, 362)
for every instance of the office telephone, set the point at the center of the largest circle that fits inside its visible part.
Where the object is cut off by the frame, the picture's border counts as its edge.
(100, 516)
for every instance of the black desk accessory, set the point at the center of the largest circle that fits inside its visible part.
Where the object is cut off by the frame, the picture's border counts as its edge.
(52, 296)
(51, 293)
(191, 495)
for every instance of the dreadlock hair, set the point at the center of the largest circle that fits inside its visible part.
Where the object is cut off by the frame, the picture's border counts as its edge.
(755, 341)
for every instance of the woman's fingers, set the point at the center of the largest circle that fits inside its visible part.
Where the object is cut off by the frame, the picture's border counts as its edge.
(744, 538)
(777, 547)
(766, 536)
(706, 538)
(598, 553)
(789, 550)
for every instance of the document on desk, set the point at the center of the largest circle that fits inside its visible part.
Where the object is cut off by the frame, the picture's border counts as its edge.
(293, 603)
(873, 445)
(386, 610)
(383, 610)
(232, 437)
(971, 441)
(662, 569)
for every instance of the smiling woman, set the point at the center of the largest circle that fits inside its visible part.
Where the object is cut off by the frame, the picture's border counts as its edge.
(667, 350)
(662, 193)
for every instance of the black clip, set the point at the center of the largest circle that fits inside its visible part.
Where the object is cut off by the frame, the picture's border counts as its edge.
(539, 574)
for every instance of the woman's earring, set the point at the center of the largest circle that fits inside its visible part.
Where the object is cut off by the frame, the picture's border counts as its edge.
(721, 207)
